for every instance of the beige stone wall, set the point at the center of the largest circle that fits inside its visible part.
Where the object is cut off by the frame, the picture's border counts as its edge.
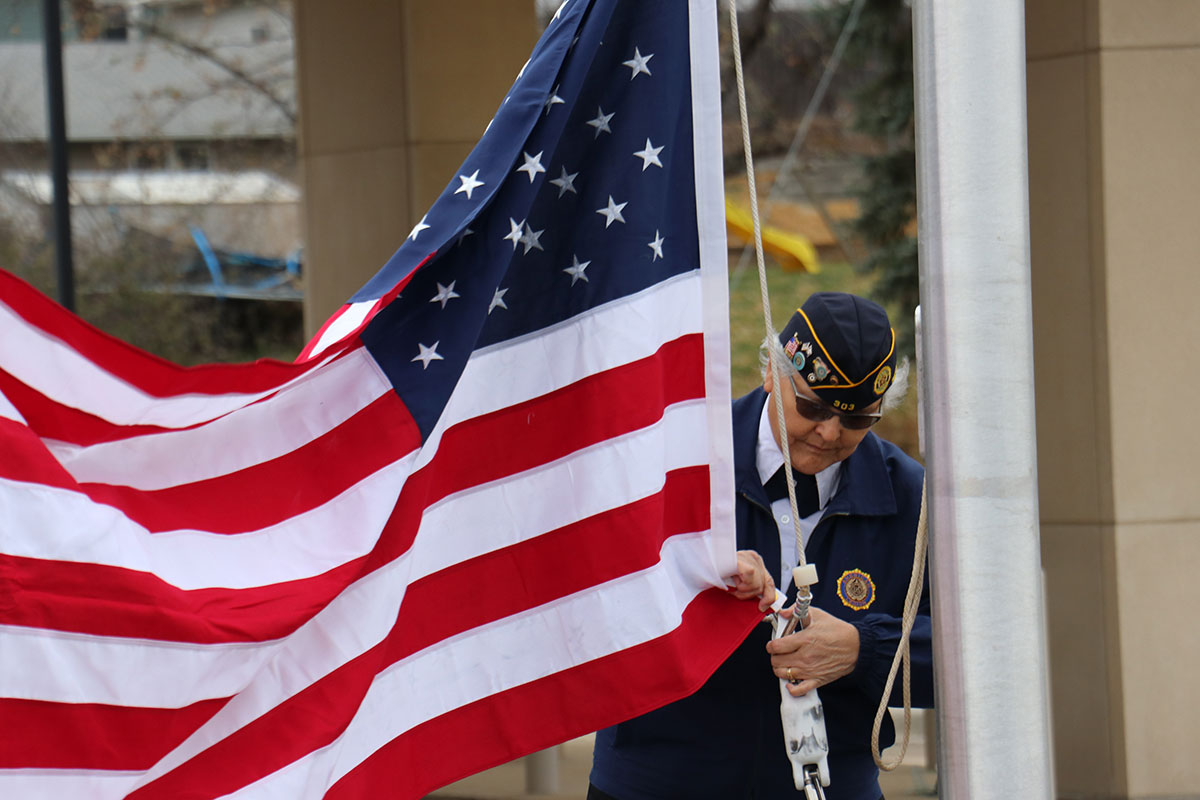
(1114, 170)
(394, 94)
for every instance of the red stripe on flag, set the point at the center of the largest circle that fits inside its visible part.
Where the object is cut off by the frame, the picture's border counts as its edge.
(42, 735)
(54, 420)
(102, 600)
(153, 375)
(23, 457)
(541, 713)
(268, 493)
(514, 579)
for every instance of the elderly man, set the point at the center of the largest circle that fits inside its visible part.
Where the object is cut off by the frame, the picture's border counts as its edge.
(859, 499)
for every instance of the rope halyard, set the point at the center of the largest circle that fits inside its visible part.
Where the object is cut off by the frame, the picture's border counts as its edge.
(803, 593)
(912, 601)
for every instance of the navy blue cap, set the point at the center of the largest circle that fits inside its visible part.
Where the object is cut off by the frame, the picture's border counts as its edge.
(844, 348)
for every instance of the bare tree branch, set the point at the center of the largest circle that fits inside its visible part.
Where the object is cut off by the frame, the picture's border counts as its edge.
(233, 70)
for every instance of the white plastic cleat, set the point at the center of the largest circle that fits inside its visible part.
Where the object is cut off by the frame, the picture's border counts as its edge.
(805, 575)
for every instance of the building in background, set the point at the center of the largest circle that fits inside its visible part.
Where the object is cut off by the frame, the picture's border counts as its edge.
(180, 113)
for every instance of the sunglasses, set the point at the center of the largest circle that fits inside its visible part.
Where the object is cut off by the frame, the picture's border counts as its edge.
(815, 411)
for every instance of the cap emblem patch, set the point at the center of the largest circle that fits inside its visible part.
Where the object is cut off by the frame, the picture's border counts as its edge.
(792, 346)
(883, 380)
(856, 590)
(819, 368)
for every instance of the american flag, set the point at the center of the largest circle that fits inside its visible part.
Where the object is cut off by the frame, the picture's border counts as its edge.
(488, 510)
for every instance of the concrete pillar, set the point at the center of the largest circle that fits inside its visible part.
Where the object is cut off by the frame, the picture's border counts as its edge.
(393, 95)
(1114, 166)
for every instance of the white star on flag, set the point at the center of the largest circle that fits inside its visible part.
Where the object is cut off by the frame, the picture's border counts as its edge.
(576, 270)
(638, 63)
(600, 123)
(612, 211)
(649, 155)
(420, 226)
(445, 294)
(469, 184)
(467, 231)
(554, 99)
(565, 182)
(427, 354)
(498, 300)
(656, 246)
(532, 165)
(530, 239)
(516, 231)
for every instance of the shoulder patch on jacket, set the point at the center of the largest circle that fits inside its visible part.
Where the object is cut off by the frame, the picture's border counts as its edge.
(856, 590)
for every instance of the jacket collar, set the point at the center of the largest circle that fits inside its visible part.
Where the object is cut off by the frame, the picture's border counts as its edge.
(865, 488)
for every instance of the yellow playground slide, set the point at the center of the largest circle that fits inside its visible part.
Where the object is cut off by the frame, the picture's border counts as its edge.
(791, 251)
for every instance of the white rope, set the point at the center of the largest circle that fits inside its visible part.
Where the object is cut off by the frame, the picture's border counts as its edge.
(912, 602)
(803, 593)
(810, 113)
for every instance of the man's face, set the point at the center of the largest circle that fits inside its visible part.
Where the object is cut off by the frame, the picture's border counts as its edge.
(813, 445)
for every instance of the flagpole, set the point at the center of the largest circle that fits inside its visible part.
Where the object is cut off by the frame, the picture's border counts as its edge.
(56, 136)
(977, 353)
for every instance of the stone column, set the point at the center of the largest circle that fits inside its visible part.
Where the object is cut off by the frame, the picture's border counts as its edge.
(1114, 127)
(393, 96)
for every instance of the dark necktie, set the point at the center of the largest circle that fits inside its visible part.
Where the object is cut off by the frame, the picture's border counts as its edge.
(807, 499)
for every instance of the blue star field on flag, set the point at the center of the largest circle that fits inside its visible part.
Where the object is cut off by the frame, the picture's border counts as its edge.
(580, 192)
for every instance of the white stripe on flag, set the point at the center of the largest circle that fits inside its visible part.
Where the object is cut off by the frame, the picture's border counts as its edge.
(305, 410)
(9, 411)
(79, 668)
(299, 547)
(57, 784)
(344, 321)
(52, 367)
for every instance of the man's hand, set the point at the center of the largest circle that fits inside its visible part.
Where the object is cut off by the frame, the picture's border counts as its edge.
(823, 652)
(753, 580)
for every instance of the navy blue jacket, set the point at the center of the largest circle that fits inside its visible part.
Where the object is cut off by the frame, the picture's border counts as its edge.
(726, 741)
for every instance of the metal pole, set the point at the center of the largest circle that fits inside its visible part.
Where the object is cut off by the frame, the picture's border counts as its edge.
(973, 211)
(56, 131)
(541, 771)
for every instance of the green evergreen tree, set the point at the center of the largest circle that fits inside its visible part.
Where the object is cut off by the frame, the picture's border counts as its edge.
(881, 52)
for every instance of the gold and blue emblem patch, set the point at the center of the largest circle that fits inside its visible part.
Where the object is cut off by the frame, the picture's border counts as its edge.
(883, 379)
(856, 590)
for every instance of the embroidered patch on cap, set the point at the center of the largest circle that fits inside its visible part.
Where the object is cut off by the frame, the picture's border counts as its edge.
(856, 590)
(883, 380)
